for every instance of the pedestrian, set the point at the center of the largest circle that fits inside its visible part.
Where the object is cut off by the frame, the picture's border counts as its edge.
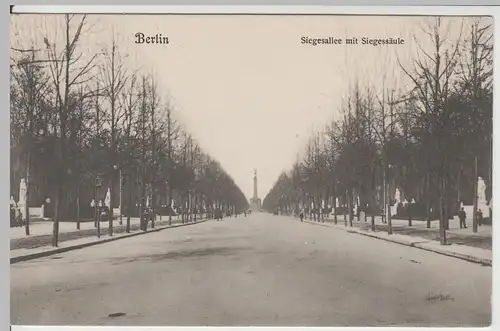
(479, 217)
(13, 218)
(19, 216)
(462, 216)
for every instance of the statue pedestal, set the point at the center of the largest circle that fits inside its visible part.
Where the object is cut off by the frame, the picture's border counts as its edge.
(394, 209)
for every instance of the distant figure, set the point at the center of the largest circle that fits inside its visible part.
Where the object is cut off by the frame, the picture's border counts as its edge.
(302, 216)
(479, 217)
(19, 216)
(13, 206)
(362, 215)
(218, 214)
(245, 212)
(462, 216)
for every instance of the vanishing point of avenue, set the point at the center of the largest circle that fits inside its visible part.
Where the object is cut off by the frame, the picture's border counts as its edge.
(190, 189)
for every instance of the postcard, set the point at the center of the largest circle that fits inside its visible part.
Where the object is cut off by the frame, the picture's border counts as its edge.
(251, 170)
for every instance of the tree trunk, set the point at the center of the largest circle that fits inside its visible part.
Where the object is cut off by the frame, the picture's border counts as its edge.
(388, 208)
(442, 229)
(170, 205)
(372, 211)
(129, 207)
(57, 212)
(78, 205)
(459, 187)
(474, 211)
(349, 207)
(446, 203)
(141, 209)
(110, 220)
(335, 209)
(346, 212)
(27, 202)
(427, 201)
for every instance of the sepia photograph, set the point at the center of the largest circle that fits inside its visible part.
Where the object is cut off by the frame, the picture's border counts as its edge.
(251, 170)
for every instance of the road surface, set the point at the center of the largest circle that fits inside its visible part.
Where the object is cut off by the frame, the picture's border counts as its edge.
(262, 270)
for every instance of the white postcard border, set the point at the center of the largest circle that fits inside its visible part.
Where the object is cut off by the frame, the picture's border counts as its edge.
(257, 10)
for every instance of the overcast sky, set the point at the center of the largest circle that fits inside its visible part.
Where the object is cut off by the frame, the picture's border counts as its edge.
(245, 86)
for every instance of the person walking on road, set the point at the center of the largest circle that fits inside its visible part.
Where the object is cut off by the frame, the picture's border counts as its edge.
(462, 216)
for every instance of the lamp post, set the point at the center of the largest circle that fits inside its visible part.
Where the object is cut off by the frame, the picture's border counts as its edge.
(98, 184)
(121, 191)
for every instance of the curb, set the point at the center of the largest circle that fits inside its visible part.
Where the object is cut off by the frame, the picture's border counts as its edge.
(55, 251)
(396, 241)
(419, 245)
(469, 258)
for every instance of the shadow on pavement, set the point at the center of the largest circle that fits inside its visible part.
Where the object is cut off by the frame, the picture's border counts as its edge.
(177, 255)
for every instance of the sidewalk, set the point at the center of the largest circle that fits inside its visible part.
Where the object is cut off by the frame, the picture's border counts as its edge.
(463, 243)
(41, 232)
(41, 228)
(455, 235)
(484, 231)
(25, 254)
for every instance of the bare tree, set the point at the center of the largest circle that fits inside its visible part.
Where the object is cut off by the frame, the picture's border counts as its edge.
(65, 76)
(154, 102)
(475, 71)
(114, 75)
(432, 77)
(172, 135)
(32, 85)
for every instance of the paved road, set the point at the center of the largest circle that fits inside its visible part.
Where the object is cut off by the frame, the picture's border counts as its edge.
(260, 270)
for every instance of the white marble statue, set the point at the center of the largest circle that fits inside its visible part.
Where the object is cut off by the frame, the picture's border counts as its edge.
(482, 203)
(397, 196)
(107, 199)
(481, 191)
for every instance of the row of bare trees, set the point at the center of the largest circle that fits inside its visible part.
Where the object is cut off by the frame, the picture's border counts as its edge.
(430, 141)
(83, 123)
